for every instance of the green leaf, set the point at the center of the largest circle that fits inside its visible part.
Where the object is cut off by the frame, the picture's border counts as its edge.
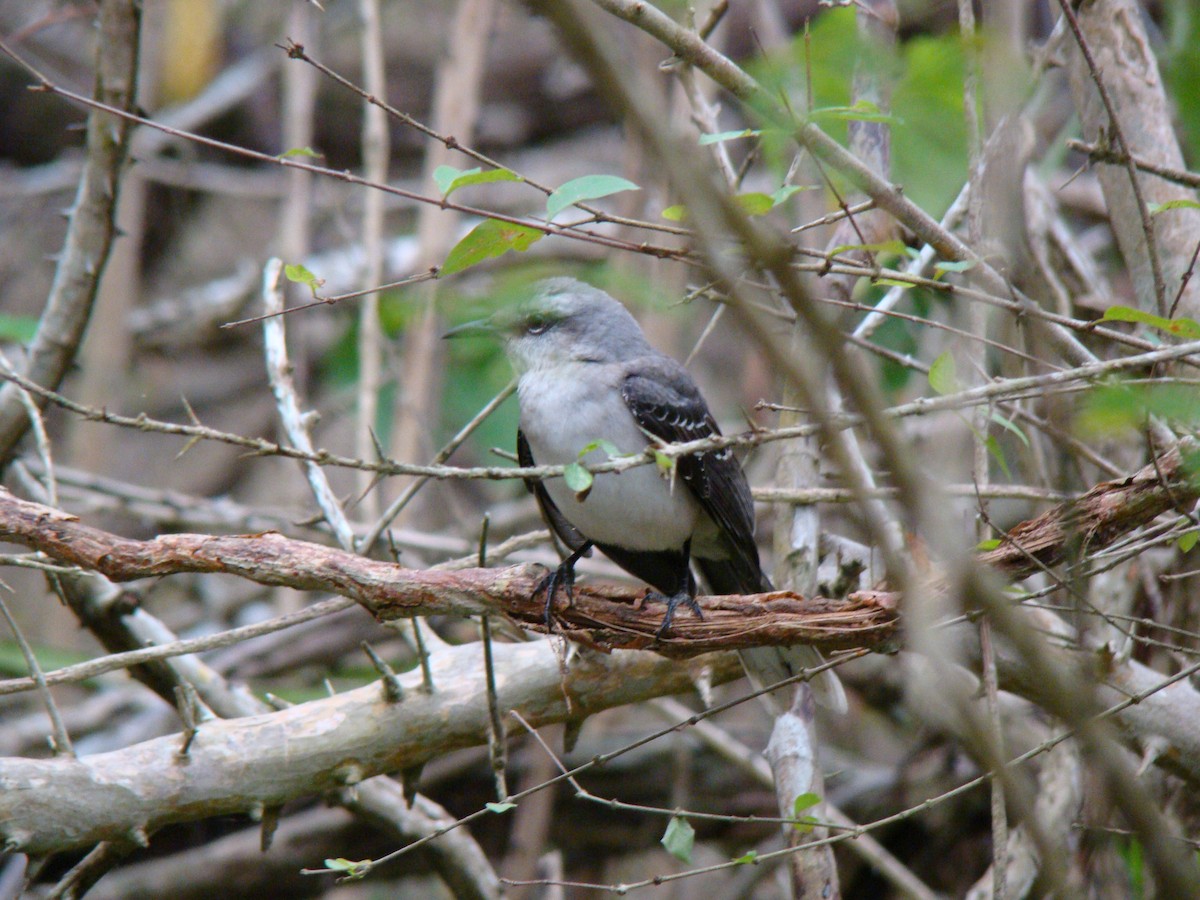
(894, 246)
(679, 838)
(1118, 407)
(578, 479)
(787, 190)
(997, 453)
(1135, 865)
(296, 273)
(300, 151)
(943, 374)
(721, 136)
(1187, 541)
(500, 807)
(804, 824)
(989, 544)
(1109, 408)
(1178, 403)
(755, 203)
(746, 859)
(608, 447)
(1011, 426)
(675, 213)
(1156, 208)
(449, 179)
(665, 463)
(20, 329)
(348, 867)
(589, 187)
(487, 239)
(962, 265)
(805, 801)
(1184, 328)
(862, 111)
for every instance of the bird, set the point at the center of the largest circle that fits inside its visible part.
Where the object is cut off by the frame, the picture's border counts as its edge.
(590, 383)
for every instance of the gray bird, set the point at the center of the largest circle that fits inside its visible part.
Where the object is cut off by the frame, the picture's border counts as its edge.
(587, 374)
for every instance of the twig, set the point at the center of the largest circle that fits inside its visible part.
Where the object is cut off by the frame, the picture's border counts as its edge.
(497, 739)
(91, 228)
(61, 742)
(966, 398)
(1102, 153)
(1118, 132)
(372, 535)
(607, 618)
(376, 151)
(116, 661)
(85, 873)
(747, 760)
(452, 142)
(294, 422)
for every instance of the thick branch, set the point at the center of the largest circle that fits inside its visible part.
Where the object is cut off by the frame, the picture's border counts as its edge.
(242, 765)
(1106, 512)
(605, 617)
(90, 232)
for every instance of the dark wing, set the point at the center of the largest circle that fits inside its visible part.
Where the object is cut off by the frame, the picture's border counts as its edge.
(551, 514)
(668, 406)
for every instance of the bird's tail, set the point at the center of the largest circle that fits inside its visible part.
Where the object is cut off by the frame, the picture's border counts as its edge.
(770, 665)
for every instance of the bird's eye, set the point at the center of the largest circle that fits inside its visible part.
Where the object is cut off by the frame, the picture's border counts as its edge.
(538, 325)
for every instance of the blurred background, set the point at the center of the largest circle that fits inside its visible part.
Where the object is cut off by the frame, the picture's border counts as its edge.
(197, 224)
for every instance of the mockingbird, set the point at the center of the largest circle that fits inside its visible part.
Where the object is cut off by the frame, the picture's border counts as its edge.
(589, 378)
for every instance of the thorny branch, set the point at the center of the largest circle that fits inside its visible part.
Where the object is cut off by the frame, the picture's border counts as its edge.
(604, 617)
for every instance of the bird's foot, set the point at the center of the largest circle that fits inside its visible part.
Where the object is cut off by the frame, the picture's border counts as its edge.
(684, 598)
(562, 578)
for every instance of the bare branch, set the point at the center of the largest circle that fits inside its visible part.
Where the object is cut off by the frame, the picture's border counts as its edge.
(91, 230)
(607, 618)
(324, 745)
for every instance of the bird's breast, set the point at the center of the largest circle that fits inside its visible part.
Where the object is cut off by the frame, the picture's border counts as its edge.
(564, 411)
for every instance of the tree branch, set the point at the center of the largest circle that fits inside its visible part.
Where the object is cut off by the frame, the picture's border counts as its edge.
(90, 232)
(242, 765)
(604, 617)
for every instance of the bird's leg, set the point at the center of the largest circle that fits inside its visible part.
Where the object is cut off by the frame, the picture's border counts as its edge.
(685, 593)
(562, 577)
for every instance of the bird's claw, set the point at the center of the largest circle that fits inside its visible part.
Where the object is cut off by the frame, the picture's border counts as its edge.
(674, 602)
(561, 578)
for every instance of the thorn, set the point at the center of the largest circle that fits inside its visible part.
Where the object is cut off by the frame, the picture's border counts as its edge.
(185, 704)
(483, 538)
(571, 731)
(192, 442)
(410, 782)
(191, 413)
(270, 823)
(278, 702)
(139, 836)
(392, 691)
(423, 656)
(1155, 747)
(702, 681)
(348, 774)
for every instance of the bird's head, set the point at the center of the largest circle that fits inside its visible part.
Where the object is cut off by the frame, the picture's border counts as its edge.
(562, 321)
